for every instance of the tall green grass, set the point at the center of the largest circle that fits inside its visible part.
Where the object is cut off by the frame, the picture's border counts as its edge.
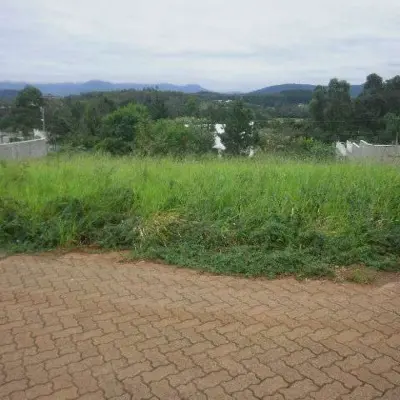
(256, 217)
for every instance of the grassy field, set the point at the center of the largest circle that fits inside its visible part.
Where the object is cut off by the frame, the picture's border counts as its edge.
(256, 217)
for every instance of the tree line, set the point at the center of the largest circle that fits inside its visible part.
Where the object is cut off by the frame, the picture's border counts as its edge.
(374, 115)
(151, 122)
(142, 122)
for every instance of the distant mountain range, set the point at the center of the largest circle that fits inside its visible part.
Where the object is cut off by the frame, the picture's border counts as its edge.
(66, 89)
(355, 90)
(8, 94)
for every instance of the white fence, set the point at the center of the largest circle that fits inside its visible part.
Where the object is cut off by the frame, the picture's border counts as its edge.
(22, 150)
(364, 149)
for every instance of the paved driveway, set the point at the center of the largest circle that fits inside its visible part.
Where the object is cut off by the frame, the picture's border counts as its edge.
(88, 327)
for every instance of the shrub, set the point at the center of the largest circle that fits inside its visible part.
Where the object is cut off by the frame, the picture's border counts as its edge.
(289, 143)
(114, 146)
(123, 123)
(105, 220)
(178, 138)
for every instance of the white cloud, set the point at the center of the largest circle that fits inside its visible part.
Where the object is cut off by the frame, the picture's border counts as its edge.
(220, 44)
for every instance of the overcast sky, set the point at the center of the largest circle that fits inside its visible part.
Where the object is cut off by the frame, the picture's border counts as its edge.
(220, 44)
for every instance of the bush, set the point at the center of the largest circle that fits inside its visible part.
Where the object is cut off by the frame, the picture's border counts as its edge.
(123, 124)
(290, 143)
(105, 221)
(114, 146)
(177, 138)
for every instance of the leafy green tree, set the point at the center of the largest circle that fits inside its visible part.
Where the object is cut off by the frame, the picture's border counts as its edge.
(58, 120)
(124, 122)
(113, 146)
(201, 137)
(94, 113)
(29, 97)
(76, 122)
(332, 110)
(370, 107)
(178, 138)
(215, 112)
(192, 106)
(392, 94)
(318, 105)
(374, 84)
(392, 122)
(26, 110)
(338, 111)
(156, 105)
(176, 105)
(240, 133)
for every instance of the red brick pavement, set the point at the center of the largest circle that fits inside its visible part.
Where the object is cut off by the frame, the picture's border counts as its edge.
(87, 327)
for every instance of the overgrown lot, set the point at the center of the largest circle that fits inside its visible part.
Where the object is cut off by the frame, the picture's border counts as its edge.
(256, 217)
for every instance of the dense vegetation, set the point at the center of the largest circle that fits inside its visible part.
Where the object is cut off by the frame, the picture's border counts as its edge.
(137, 122)
(248, 216)
(374, 115)
(327, 114)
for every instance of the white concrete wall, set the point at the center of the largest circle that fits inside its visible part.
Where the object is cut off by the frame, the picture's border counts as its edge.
(23, 150)
(379, 151)
(356, 151)
(341, 149)
(367, 150)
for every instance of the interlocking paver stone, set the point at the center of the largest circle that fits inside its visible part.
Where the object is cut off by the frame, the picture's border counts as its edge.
(299, 389)
(330, 391)
(347, 379)
(85, 326)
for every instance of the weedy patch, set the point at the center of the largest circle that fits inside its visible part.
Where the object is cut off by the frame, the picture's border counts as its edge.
(357, 273)
(259, 217)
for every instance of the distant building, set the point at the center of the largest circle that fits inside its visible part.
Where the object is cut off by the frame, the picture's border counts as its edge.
(50, 96)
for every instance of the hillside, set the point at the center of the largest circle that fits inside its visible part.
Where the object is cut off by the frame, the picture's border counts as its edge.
(282, 88)
(355, 90)
(8, 94)
(69, 88)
